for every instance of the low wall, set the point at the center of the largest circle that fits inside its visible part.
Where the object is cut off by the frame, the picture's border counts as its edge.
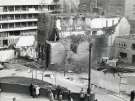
(17, 88)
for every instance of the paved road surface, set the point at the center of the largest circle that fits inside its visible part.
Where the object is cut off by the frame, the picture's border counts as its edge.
(58, 79)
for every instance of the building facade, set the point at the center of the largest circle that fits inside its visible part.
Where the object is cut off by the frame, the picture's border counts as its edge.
(125, 48)
(104, 7)
(114, 7)
(130, 14)
(19, 18)
(130, 9)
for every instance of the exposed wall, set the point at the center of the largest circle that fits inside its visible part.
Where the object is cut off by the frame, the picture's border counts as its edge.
(6, 55)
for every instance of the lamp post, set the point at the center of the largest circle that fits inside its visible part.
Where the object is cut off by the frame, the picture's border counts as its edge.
(89, 74)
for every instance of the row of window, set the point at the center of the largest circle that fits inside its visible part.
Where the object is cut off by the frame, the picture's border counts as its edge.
(4, 34)
(124, 45)
(28, 8)
(18, 16)
(8, 41)
(5, 42)
(121, 45)
(29, 32)
(18, 24)
(19, 8)
(17, 33)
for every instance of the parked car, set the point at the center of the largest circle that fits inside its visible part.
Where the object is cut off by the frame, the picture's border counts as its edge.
(49, 75)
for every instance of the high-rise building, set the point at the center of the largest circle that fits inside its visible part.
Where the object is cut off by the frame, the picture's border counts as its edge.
(130, 13)
(114, 7)
(19, 18)
(120, 7)
(130, 9)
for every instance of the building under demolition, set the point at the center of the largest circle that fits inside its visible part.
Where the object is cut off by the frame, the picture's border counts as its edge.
(103, 31)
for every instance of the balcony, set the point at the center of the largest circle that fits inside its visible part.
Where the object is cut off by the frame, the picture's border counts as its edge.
(19, 20)
(18, 28)
(20, 12)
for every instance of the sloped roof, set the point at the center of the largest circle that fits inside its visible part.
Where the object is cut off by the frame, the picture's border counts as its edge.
(25, 41)
(24, 2)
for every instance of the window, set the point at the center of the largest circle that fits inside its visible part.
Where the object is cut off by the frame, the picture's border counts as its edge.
(11, 25)
(11, 8)
(125, 45)
(133, 46)
(11, 17)
(5, 42)
(5, 9)
(17, 16)
(30, 15)
(16, 33)
(24, 8)
(123, 55)
(23, 16)
(4, 26)
(17, 8)
(23, 24)
(17, 24)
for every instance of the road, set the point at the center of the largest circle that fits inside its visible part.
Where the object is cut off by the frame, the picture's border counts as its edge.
(58, 78)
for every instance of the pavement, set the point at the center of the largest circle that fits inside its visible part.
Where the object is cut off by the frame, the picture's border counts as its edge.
(103, 94)
(4, 96)
(108, 97)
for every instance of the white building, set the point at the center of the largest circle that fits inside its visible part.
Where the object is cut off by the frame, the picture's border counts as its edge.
(19, 18)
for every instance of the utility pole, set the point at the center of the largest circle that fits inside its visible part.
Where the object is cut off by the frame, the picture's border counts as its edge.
(89, 74)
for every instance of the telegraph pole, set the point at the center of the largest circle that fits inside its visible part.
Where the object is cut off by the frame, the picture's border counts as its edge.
(89, 74)
(90, 50)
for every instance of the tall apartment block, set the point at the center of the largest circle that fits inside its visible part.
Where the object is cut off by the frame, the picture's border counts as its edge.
(19, 18)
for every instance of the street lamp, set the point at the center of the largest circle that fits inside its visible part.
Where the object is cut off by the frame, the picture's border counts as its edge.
(89, 74)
